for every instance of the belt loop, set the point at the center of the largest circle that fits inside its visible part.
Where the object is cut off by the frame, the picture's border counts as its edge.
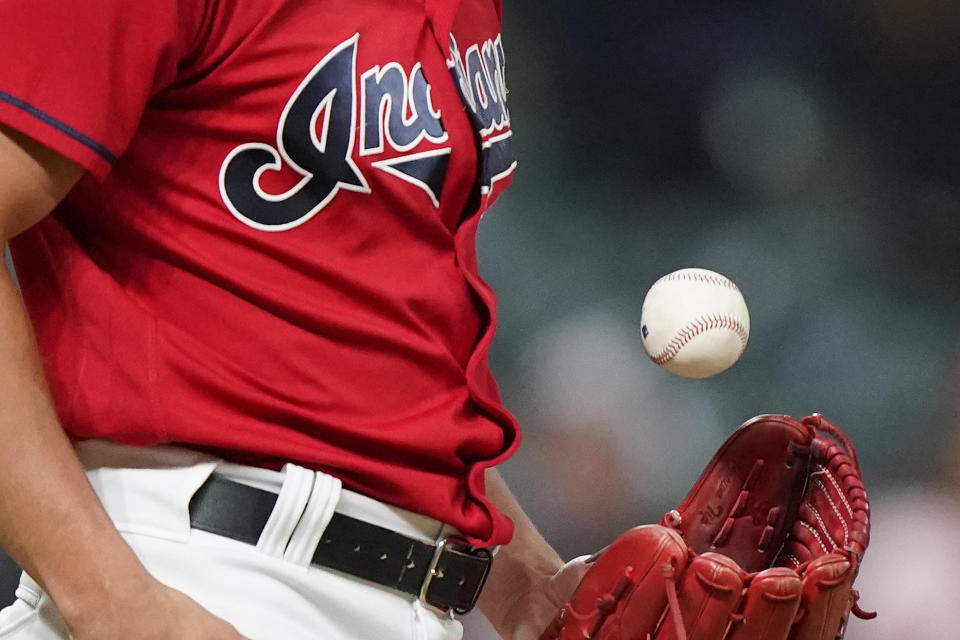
(29, 591)
(294, 494)
(319, 510)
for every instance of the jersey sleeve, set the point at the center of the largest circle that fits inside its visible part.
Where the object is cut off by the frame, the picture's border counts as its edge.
(76, 76)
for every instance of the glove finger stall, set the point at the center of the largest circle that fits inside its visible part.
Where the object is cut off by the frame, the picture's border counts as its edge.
(826, 598)
(708, 596)
(626, 582)
(769, 607)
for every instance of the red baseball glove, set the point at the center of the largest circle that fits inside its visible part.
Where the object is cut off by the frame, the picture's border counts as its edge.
(765, 547)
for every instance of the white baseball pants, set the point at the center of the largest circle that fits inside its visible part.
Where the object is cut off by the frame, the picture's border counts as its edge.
(269, 591)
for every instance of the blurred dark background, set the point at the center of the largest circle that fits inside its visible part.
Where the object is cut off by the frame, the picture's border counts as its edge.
(809, 151)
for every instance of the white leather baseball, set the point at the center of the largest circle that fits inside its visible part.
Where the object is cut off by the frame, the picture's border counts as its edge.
(694, 323)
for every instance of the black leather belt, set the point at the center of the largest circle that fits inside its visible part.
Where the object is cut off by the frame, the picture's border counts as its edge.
(448, 575)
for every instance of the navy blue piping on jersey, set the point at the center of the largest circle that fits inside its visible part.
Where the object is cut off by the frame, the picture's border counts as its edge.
(60, 126)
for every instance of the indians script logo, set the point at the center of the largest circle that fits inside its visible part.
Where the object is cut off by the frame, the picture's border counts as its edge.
(322, 124)
(480, 78)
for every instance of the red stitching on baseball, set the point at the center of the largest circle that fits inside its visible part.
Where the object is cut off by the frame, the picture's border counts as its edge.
(695, 328)
(696, 276)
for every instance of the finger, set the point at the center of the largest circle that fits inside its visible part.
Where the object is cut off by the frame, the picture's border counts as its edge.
(565, 581)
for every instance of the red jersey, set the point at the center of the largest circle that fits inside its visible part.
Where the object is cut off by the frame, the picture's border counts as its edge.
(272, 256)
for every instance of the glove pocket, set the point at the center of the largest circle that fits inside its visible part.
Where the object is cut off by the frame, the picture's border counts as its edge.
(770, 606)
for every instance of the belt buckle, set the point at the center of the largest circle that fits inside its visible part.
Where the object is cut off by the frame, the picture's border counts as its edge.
(463, 545)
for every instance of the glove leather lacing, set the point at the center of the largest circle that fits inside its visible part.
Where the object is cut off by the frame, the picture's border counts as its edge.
(852, 546)
(670, 574)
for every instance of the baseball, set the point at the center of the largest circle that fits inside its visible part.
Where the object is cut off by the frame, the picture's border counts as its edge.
(694, 323)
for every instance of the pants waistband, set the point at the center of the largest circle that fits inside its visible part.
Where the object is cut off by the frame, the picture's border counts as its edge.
(148, 489)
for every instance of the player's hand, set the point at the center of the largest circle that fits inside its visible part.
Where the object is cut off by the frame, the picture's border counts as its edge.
(533, 609)
(152, 612)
